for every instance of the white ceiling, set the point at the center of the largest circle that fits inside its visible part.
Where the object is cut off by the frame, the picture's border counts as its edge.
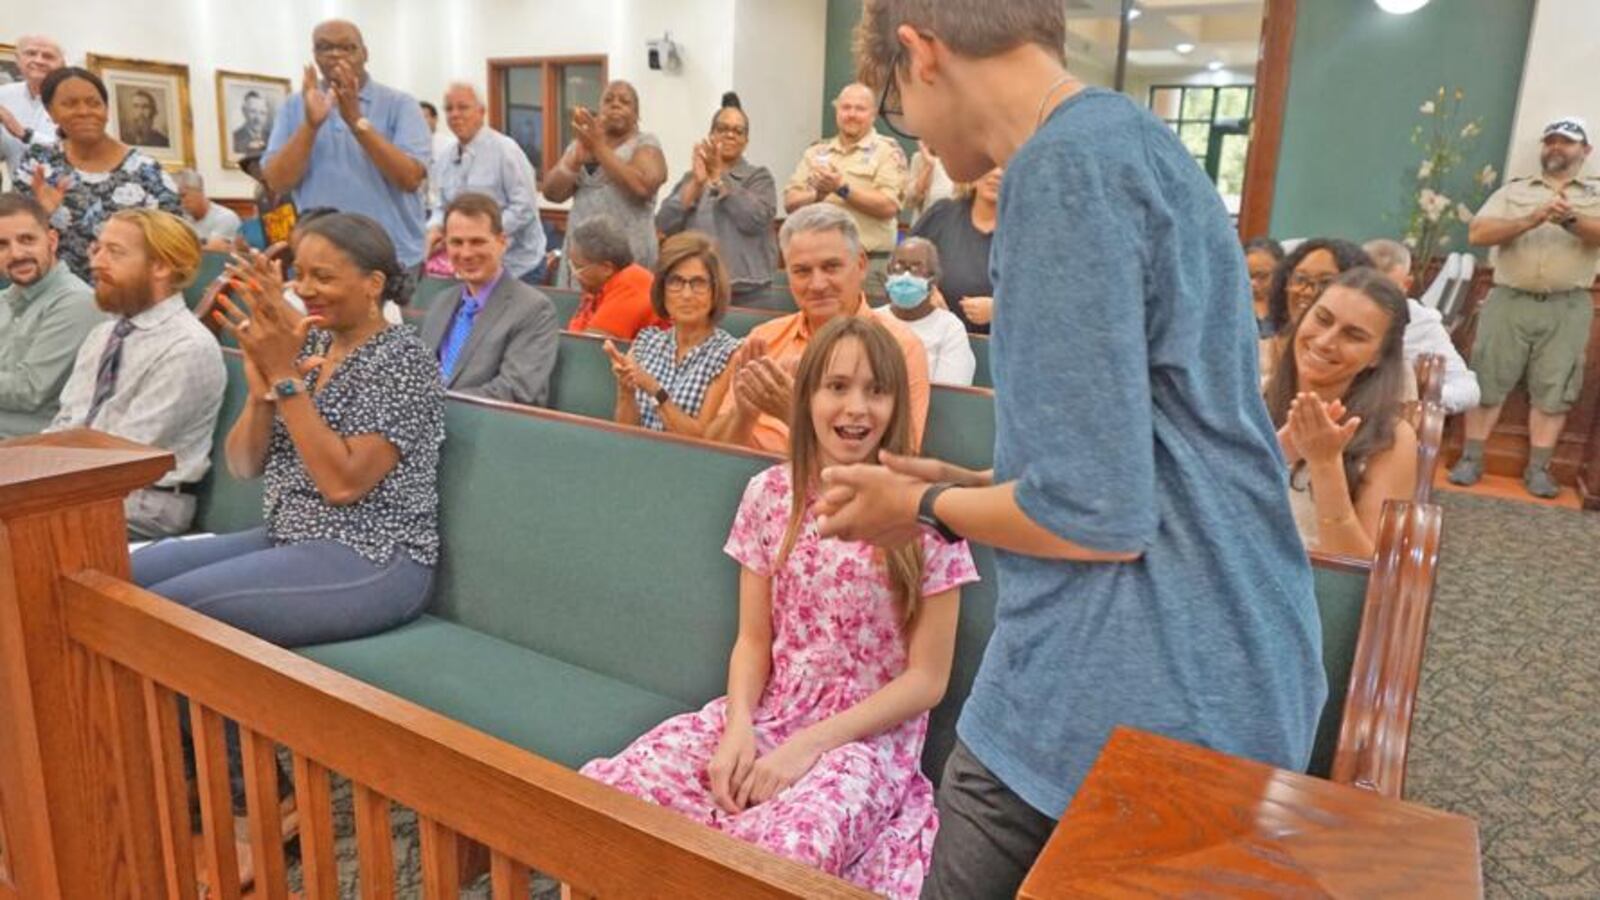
(1228, 31)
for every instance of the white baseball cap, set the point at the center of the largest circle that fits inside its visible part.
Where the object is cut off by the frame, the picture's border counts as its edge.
(1571, 127)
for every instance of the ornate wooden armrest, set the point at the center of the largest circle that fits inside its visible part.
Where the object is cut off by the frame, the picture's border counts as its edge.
(1430, 441)
(1376, 731)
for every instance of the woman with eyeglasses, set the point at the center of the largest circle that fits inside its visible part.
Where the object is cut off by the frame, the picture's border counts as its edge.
(728, 198)
(674, 378)
(1297, 283)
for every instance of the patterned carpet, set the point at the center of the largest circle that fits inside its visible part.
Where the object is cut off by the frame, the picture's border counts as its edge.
(1508, 720)
(1508, 717)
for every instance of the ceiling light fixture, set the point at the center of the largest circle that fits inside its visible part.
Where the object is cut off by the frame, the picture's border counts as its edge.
(1401, 7)
(1215, 65)
(1185, 48)
(1134, 13)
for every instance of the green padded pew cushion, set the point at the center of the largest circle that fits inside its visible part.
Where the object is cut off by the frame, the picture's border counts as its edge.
(225, 504)
(960, 427)
(1341, 597)
(582, 382)
(211, 263)
(980, 353)
(560, 711)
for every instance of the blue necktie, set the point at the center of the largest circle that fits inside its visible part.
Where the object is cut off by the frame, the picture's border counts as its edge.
(456, 339)
(105, 377)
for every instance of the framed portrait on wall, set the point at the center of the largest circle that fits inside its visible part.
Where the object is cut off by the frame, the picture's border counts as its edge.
(149, 107)
(9, 70)
(247, 105)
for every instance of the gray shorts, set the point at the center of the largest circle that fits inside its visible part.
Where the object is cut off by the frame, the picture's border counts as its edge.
(988, 836)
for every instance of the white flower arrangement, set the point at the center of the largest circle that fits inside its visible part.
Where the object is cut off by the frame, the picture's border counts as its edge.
(1440, 203)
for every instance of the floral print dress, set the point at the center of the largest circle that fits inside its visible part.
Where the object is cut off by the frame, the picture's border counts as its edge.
(865, 811)
(136, 182)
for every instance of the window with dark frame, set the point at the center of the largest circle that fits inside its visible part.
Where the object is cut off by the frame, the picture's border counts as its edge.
(531, 99)
(1213, 122)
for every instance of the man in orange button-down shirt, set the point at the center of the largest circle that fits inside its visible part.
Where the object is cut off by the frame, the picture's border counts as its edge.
(827, 267)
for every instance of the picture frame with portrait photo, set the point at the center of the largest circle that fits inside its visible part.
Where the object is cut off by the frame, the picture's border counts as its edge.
(149, 107)
(247, 105)
(10, 70)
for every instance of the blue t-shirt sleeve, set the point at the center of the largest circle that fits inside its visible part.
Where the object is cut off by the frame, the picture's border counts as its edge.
(289, 117)
(1072, 263)
(410, 130)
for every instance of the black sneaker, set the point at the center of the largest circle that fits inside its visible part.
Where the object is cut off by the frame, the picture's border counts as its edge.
(1468, 471)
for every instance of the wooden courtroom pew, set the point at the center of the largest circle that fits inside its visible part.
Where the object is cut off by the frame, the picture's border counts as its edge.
(526, 666)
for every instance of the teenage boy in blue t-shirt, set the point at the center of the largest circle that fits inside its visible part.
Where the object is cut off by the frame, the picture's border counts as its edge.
(1150, 573)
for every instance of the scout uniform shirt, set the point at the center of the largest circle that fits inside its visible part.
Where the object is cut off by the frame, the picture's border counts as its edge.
(1546, 259)
(875, 162)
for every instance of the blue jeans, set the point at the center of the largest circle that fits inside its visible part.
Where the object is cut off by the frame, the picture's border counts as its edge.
(290, 594)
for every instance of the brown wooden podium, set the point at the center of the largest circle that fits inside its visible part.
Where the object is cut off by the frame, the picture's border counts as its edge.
(1161, 818)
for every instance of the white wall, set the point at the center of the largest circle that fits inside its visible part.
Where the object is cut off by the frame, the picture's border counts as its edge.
(420, 46)
(1558, 79)
(779, 47)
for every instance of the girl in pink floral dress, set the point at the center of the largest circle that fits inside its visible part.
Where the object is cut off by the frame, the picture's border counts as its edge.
(815, 752)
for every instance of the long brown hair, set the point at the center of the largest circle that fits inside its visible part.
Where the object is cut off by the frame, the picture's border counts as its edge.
(903, 563)
(1375, 394)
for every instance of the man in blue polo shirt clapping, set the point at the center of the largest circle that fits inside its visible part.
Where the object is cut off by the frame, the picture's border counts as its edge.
(350, 143)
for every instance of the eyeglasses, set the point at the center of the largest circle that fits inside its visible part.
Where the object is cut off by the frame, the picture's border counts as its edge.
(900, 267)
(889, 109)
(323, 48)
(1307, 283)
(733, 130)
(677, 284)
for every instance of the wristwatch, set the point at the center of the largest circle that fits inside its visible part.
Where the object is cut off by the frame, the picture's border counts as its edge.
(843, 191)
(27, 136)
(926, 515)
(662, 397)
(363, 124)
(286, 388)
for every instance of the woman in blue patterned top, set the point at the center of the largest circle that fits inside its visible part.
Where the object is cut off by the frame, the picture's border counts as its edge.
(674, 378)
(345, 419)
(89, 175)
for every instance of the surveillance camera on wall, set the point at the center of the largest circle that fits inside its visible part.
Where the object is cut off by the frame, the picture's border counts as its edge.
(662, 55)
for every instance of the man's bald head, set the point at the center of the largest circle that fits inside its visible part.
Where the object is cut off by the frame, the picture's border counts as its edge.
(854, 111)
(339, 40)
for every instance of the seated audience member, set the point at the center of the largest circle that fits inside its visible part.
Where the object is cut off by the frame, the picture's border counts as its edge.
(913, 277)
(730, 199)
(1426, 333)
(927, 182)
(673, 379)
(44, 316)
(344, 419)
(612, 169)
(827, 269)
(499, 338)
(616, 290)
(860, 171)
(962, 227)
(391, 307)
(480, 160)
(215, 224)
(154, 374)
(1336, 398)
(89, 175)
(1297, 283)
(348, 142)
(1262, 256)
(815, 751)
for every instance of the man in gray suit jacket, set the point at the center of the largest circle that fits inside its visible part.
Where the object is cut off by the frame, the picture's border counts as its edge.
(498, 337)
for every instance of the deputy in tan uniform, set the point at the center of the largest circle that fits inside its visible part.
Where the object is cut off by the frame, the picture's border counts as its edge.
(860, 170)
(1545, 231)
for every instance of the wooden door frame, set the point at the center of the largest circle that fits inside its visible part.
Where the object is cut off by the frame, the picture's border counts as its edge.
(552, 148)
(1266, 124)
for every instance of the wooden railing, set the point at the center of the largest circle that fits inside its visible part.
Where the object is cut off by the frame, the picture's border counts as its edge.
(93, 789)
